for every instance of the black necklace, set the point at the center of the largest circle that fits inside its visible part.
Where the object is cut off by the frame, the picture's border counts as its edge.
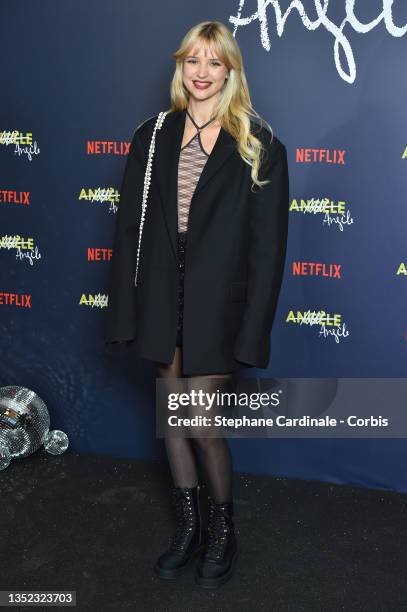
(195, 124)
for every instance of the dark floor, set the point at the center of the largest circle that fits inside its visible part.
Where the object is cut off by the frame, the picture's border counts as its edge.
(96, 525)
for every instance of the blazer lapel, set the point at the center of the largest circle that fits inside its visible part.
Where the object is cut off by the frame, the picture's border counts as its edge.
(167, 153)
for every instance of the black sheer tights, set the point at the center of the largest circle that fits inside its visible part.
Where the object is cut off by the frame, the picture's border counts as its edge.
(188, 456)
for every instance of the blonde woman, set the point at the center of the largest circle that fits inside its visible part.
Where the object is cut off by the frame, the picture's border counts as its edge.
(209, 271)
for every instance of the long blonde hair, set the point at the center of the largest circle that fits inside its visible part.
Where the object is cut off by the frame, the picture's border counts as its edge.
(234, 108)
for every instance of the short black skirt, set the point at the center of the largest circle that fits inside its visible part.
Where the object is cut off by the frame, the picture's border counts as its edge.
(182, 243)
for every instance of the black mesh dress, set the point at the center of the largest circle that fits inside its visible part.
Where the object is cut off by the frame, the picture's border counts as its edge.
(192, 159)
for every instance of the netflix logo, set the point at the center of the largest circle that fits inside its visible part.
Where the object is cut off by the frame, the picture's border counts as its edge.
(311, 268)
(320, 156)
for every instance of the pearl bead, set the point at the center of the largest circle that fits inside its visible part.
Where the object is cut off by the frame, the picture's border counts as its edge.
(147, 181)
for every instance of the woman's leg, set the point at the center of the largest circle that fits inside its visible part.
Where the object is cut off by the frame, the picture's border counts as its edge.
(213, 453)
(179, 450)
(216, 564)
(188, 536)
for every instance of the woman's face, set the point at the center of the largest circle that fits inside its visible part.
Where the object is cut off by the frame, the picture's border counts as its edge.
(203, 73)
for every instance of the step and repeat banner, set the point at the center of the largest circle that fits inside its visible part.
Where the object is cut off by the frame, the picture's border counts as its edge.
(78, 78)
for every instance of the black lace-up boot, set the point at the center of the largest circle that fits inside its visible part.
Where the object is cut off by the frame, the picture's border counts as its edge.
(216, 564)
(187, 540)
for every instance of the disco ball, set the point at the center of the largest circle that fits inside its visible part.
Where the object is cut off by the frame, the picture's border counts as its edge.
(5, 457)
(56, 442)
(24, 425)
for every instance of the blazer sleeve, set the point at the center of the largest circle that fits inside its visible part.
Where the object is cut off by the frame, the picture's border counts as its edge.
(268, 227)
(121, 316)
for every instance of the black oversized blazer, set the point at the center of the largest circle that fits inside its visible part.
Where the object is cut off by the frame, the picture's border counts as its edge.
(235, 254)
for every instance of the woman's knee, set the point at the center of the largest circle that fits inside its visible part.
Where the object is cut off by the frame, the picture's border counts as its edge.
(204, 444)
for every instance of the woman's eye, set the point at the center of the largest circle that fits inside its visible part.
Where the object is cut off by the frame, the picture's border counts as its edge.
(191, 61)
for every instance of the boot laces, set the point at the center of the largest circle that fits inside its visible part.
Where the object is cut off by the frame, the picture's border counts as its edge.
(185, 522)
(220, 526)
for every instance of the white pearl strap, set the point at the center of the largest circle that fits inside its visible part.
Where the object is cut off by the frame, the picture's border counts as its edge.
(147, 181)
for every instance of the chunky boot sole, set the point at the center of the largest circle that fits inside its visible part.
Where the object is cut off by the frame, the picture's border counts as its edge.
(171, 574)
(214, 583)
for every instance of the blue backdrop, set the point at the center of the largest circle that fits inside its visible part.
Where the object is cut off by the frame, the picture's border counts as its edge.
(78, 78)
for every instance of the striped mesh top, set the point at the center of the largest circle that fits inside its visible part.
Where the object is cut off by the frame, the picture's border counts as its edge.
(192, 159)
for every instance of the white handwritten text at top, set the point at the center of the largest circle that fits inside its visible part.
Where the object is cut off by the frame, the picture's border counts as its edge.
(321, 7)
